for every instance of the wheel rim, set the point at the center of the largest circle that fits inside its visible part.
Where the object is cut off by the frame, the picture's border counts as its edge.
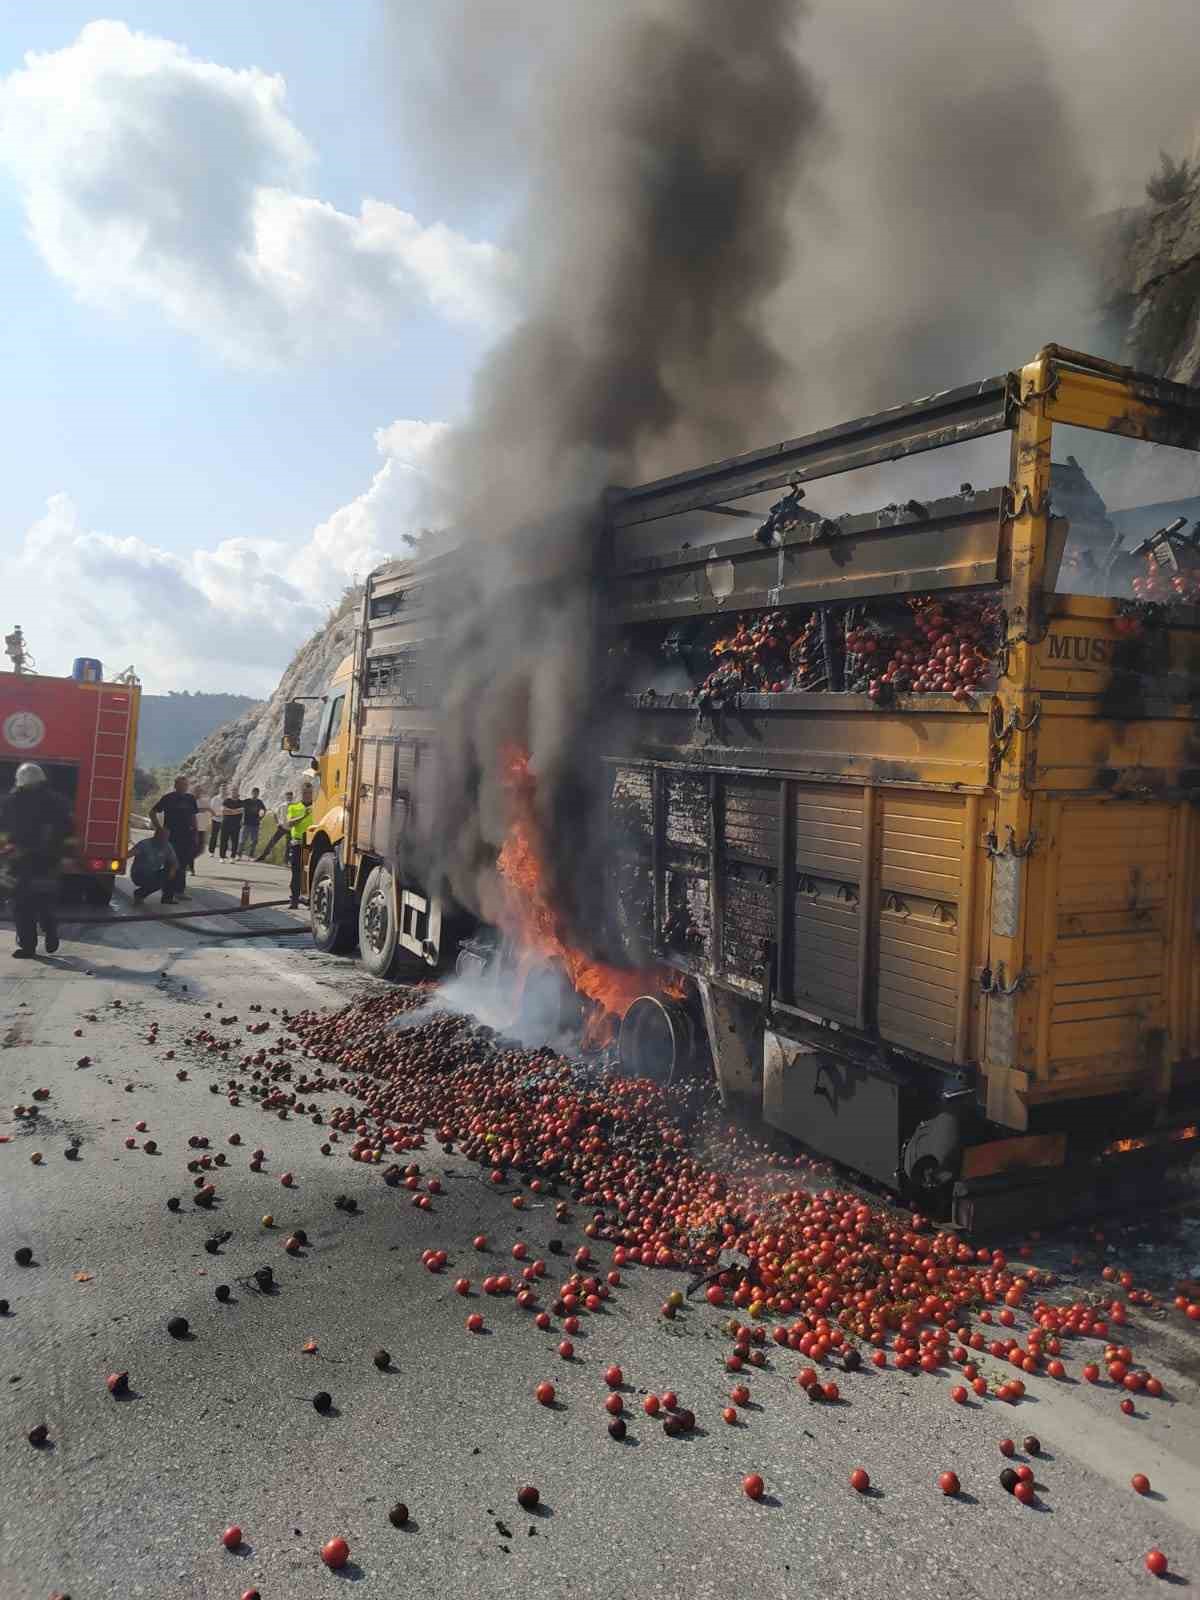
(375, 920)
(322, 904)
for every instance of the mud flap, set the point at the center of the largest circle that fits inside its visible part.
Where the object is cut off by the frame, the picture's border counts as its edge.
(421, 926)
(734, 1040)
(847, 1112)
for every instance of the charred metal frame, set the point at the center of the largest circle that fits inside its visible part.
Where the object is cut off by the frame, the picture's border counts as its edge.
(951, 417)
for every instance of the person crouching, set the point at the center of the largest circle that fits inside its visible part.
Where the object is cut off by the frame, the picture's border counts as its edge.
(153, 865)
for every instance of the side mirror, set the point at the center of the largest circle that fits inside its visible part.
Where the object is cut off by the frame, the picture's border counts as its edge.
(293, 725)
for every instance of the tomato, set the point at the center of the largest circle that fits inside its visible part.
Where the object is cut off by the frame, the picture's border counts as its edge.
(335, 1553)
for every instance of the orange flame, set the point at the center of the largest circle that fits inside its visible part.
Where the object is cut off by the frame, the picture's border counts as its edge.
(531, 921)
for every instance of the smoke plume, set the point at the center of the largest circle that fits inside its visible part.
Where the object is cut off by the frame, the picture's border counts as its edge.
(739, 223)
(665, 157)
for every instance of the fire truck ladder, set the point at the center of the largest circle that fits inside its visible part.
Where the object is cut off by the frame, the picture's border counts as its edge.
(106, 794)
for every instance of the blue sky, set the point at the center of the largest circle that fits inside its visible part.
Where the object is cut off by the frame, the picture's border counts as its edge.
(149, 425)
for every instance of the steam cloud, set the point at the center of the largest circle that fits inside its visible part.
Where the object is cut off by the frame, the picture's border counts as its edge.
(742, 223)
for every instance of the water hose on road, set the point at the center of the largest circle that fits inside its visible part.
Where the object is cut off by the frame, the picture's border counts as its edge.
(184, 916)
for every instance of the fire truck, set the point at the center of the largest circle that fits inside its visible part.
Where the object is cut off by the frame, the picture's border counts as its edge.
(82, 732)
(902, 773)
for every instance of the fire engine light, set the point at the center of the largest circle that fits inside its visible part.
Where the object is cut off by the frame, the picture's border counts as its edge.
(97, 866)
(114, 866)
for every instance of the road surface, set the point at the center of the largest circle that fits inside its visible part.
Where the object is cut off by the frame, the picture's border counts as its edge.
(130, 1496)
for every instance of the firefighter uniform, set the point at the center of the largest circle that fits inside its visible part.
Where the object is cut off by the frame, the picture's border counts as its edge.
(35, 832)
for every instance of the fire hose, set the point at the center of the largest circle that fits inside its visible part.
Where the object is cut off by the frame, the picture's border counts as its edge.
(185, 916)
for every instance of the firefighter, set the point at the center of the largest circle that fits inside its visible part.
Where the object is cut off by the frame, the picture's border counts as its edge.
(298, 818)
(35, 831)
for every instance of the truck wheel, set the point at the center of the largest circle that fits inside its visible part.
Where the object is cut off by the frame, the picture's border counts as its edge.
(99, 891)
(378, 929)
(330, 912)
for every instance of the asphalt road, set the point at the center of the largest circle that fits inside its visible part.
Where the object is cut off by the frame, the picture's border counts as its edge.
(130, 1496)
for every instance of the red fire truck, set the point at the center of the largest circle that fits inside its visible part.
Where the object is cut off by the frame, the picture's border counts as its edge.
(83, 733)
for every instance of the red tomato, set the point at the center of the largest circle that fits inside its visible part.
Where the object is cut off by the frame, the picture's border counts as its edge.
(335, 1554)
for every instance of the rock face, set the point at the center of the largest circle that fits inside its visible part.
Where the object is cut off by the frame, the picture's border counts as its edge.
(1153, 280)
(169, 725)
(246, 751)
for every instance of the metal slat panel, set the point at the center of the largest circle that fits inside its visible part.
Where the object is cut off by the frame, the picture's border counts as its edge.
(751, 818)
(1107, 989)
(747, 924)
(686, 800)
(918, 965)
(631, 803)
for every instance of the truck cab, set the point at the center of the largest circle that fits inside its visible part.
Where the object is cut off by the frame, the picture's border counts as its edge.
(330, 761)
(372, 755)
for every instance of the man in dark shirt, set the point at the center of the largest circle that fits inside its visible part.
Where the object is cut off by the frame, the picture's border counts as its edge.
(35, 825)
(231, 822)
(178, 812)
(153, 865)
(252, 815)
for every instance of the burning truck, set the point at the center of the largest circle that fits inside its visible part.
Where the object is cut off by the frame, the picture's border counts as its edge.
(901, 807)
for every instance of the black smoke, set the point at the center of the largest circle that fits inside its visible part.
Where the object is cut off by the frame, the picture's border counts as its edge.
(664, 149)
(740, 222)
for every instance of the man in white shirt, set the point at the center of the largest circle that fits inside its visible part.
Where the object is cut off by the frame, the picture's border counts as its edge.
(209, 819)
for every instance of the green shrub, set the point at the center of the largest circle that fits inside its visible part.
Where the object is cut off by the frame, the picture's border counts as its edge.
(1171, 182)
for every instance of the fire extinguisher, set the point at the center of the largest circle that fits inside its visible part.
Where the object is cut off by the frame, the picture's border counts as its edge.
(245, 894)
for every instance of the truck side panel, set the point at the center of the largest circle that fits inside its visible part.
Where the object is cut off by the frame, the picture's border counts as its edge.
(1105, 996)
(865, 900)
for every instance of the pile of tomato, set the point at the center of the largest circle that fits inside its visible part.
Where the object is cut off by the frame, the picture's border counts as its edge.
(831, 1268)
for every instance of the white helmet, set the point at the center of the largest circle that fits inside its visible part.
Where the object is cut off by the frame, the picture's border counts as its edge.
(29, 774)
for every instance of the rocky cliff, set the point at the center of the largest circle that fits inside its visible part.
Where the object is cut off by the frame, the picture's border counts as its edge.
(246, 751)
(169, 725)
(1152, 282)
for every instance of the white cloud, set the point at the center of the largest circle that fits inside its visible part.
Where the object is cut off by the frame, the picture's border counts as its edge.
(224, 617)
(151, 176)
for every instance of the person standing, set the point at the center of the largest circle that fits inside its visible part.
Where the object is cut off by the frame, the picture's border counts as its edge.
(231, 822)
(252, 815)
(179, 813)
(281, 832)
(208, 824)
(299, 816)
(35, 829)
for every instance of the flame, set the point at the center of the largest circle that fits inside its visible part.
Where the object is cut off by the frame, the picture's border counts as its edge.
(531, 922)
(1120, 1147)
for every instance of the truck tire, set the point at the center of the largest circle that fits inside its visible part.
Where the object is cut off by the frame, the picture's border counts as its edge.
(378, 925)
(99, 891)
(331, 911)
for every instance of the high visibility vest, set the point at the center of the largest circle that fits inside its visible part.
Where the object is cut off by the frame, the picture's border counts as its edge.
(298, 818)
